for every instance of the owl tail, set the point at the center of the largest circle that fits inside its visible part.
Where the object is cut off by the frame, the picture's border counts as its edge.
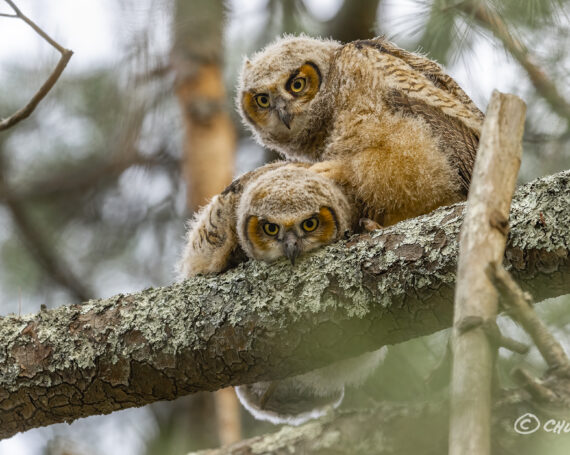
(308, 396)
(282, 402)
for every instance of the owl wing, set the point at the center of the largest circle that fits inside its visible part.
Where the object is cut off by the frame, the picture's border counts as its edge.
(211, 240)
(393, 68)
(456, 140)
(212, 244)
(432, 70)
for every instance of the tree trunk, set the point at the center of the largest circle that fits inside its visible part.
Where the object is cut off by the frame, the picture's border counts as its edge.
(210, 138)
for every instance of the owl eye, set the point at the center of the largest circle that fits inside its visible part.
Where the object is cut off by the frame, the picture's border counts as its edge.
(271, 229)
(310, 224)
(262, 100)
(297, 85)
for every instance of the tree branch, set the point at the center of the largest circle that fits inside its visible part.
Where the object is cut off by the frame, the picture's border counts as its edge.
(264, 321)
(38, 246)
(483, 239)
(66, 54)
(390, 428)
(354, 20)
(520, 304)
(384, 429)
(495, 24)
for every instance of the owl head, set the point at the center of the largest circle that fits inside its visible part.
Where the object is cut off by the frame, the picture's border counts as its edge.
(279, 85)
(289, 211)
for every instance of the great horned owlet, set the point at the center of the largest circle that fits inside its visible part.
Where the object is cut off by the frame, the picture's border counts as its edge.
(281, 209)
(392, 126)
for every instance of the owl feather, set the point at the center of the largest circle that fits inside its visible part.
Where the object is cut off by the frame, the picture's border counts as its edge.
(393, 128)
(280, 209)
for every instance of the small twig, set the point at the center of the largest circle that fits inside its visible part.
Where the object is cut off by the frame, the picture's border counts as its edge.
(495, 24)
(494, 333)
(9, 15)
(521, 304)
(66, 54)
(540, 392)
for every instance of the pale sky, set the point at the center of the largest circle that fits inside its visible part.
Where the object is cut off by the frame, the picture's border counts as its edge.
(93, 30)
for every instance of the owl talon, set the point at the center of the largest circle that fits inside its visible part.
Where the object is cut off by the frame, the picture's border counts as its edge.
(369, 225)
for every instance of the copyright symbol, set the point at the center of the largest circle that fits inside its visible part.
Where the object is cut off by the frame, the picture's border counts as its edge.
(527, 424)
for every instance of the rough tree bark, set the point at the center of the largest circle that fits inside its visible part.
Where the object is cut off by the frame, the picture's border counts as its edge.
(211, 332)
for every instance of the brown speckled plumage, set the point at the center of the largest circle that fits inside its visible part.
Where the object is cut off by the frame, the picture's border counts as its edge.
(231, 228)
(394, 129)
(282, 193)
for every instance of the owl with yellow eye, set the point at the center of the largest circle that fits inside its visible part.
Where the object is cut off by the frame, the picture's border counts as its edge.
(389, 125)
(279, 210)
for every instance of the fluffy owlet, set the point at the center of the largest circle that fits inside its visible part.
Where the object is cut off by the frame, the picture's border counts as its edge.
(392, 126)
(281, 209)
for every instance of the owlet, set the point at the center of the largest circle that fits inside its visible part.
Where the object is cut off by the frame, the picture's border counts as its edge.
(280, 209)
(395, 130)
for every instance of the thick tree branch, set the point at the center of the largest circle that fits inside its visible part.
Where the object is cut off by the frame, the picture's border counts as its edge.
(66, 54)
(264, 322)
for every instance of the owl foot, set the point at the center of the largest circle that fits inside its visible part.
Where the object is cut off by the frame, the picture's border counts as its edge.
(369, 225)
(333, 170)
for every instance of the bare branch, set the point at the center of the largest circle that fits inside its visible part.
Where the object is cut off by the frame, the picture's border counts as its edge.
(86, 176)
(483, 239)
(40, 249)
(495, 24)
(66, 54)
(38, 246)
(212, 332)
(521, 305)
(383, 429)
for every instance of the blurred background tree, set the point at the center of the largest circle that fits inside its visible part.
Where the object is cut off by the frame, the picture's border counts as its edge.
(96, 185)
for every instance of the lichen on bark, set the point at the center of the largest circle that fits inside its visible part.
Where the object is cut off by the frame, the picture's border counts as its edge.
(264, 321)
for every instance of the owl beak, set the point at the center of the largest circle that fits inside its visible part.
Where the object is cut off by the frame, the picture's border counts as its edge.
(285, 117)
(291, 247)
